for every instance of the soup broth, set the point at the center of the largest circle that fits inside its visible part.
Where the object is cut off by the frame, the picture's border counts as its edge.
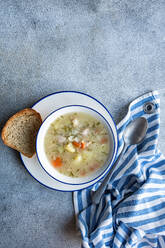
(77, 144)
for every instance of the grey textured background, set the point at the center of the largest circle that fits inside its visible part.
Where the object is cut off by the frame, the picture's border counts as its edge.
(111, 49)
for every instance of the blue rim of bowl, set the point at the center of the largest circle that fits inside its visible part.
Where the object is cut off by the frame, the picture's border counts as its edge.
(81, 93)
(114, 145)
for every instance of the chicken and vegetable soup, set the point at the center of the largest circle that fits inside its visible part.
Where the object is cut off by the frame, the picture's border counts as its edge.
(77, 144)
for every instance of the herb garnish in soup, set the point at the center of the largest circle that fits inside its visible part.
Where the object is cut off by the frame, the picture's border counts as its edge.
(77, 144)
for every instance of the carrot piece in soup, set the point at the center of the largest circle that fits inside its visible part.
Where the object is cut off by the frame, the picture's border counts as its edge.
(104, 140)
(94, 166)
(82, 145)
(83, 173)
(57, 162)
(76, 144)
(91, 168)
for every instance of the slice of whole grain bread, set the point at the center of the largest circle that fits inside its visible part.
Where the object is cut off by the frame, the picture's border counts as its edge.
(20, 131)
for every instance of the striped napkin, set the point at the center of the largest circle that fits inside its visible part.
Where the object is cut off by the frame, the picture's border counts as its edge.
(131, 213)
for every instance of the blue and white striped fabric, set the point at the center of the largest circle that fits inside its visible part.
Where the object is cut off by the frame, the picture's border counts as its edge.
(131, 213)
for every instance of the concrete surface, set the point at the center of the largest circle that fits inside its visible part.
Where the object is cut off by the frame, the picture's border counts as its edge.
(113, 50)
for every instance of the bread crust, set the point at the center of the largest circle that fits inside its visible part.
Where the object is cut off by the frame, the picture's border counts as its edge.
(27, 111)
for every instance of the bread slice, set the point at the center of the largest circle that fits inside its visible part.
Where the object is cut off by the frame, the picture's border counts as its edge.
(20, 131)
